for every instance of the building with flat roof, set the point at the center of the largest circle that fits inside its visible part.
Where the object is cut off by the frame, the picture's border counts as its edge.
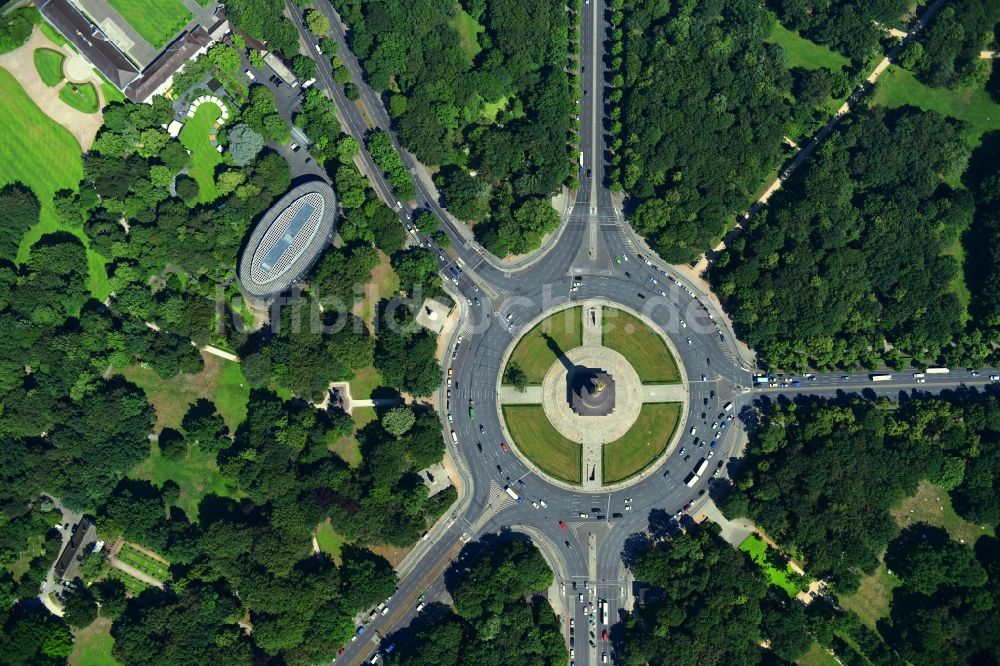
(287, 240)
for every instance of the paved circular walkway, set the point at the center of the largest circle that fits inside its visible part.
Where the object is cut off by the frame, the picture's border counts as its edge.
(595, 429)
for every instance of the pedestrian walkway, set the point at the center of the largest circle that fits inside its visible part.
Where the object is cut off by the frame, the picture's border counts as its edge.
(592, 326)
(664, 393)
(511, 396)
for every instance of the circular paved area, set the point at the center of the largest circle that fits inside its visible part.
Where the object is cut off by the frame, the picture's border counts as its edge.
(592, 429)
(77, 69)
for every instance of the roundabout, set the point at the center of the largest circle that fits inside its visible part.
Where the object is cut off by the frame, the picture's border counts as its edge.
(595, 421)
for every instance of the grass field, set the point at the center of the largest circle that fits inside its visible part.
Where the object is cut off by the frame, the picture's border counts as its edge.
(468, 29)
(958, 285)
(932, 505)
(973, 105)
(871, 601)
(642, 444)
(817, 656)
(156, 21)
(347, 447)
(49, 63)
(757, 549)
(535, 437)
(216, 382)
(204, 157)
(365, 381)
(329, 540)
(491, 109)
(148, 565)
(384, 284)
(533, 353)
(84, 99)
(44, 156)
(645, 350)
(92, 645)
(804, 53)
(197, 474)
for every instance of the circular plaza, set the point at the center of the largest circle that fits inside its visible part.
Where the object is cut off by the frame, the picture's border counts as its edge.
(592, 395)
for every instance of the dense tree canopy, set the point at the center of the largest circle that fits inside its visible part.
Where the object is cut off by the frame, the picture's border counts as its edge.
(824, 475)
(702, 117)
(852, 252)
(947, 54)
(851, 27)
(492, 622)
(503, 115)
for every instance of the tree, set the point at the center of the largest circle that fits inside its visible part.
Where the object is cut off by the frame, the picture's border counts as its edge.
(926, 559)
(80, 608)
(187, 188)
(304, 67)
(318, 23)
(15, 28)
(172, 444)
(244, 144)
(425, 221)
(398, 420)
(19, 211)
(514, 374)
(351, 92)
(224, 57)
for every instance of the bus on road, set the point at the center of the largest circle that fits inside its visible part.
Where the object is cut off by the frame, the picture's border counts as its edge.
(702, 466)
(881, 377)
(691, 480)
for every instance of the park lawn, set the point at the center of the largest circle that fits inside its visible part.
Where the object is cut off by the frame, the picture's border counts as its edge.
(958, 285)
(172, 397)
(197, 474)
(804, 53)
(817, 656)
(491, 109)
(348, 448)
(92, 645)
(43, 155)
(48, 64)
(757, 549)
(971, 104)
(468, 29)
(533, 352)
(330, 541)
(133, 586)
(642, 346)
(932, 505)
(644, 442)
(365, 381)
(156, 21)
(384, 283)
(232, 393)
(204, 156)
(84, 99)
(871, 601)
(535, 438)
(111, 94)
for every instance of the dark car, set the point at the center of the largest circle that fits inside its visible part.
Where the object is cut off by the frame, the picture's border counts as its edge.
(616, 515)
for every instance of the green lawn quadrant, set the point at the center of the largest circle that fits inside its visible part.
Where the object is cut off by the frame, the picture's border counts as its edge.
(804, 53)
(640, 345)
(533, 353)
(644, 442)
(49, 64)
(204, 156)
(42, 154)
(156, 21)
(756, 548)
(971, 104)
(329, 540)
(539, 441)
(83, 99)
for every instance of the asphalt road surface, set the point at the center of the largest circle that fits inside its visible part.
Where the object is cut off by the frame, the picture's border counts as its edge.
(497, 302)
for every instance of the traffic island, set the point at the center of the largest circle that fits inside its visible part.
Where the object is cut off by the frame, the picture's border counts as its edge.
(594, 421)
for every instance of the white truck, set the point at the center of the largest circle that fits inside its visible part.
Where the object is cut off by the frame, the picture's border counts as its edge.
(510, 491)
(880, 377)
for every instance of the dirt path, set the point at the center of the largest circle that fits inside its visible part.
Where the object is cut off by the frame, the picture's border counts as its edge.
(21, 64)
